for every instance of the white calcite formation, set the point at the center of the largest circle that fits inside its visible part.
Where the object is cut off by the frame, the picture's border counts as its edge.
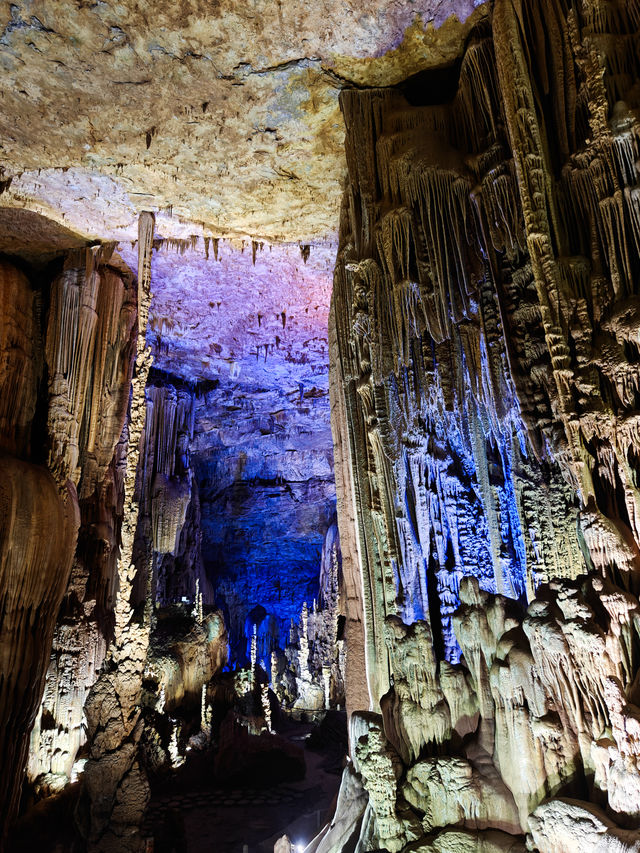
(85, 343)
(116, 784)
(90, 343)
(478, 611)
(224, 117)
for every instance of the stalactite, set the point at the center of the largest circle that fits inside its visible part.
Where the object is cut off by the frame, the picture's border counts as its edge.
(87, 350)
(89, 346)
(37, 539)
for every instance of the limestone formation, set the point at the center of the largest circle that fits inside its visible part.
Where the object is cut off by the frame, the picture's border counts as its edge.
(90, 344)
(223, 118)
(476, 604)
(37, 540)
(116, 786)
(484, 392)
(84, 343)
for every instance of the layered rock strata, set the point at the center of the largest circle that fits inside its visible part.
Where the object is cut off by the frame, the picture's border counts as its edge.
(484, 392)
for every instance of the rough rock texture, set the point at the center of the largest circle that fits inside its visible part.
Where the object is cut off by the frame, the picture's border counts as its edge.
(261, 448)
(484, 397)
(224, 113)
(307, 671)
(181, 661)
(169, 499)
(82, 343)
(90, 343)
(116, 788)
(89, 347)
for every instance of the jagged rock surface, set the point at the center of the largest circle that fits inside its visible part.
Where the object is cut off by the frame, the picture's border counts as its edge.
(116, 787)
(90, 343)
(84, 341)
(484, 394)
(261, 441)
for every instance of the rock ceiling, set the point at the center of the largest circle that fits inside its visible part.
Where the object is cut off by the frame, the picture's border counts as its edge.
(221, 117)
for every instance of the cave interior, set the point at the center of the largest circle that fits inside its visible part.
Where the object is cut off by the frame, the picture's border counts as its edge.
(320, 426)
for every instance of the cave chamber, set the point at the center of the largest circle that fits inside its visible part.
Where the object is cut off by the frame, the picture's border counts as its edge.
(319, 431)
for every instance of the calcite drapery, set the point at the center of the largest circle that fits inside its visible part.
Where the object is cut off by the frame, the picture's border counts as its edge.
(90, 342)
(484, 391)
(87, 350)
(38, 527)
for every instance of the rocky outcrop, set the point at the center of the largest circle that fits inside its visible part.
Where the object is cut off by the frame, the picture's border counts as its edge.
(90, 342)
(262, 81)
(89, 349)
(484, 396)
(169, 497)
(260, 427)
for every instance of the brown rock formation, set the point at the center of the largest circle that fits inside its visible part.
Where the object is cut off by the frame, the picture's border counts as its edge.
(88, 356)
(116, 786)
(90, 343)
(20, 360)
(38, 528)
(262, 81)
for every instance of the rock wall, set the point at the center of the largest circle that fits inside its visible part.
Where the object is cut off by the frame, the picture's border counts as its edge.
(170, 507)
(262, 459)
(90, 340)
(59, 476)
(485, 391)
(241, 328)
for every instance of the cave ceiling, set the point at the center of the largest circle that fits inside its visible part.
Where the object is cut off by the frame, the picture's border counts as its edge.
(221, 117)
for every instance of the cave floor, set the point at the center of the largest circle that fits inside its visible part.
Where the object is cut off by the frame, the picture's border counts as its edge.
(245, 820)
(199, 818)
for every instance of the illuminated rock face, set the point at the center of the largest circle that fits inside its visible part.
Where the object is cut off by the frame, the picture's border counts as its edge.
(484, 389)
(85, 345)
(241, 331)
(225, 114)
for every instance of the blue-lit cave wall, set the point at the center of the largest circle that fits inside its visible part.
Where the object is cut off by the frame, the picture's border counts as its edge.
(267, 498)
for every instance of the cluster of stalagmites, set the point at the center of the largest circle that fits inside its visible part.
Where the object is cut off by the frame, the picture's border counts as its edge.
(485, 346)
(307, 676)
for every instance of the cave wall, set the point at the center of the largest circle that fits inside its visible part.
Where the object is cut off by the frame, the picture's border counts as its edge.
(485, 390)
(263, 463)
(241, 327)
(67, 345)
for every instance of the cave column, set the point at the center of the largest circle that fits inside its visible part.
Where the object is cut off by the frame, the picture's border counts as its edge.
(116, 785)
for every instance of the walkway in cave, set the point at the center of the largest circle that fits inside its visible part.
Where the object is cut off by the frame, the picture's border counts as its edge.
(199, 818)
